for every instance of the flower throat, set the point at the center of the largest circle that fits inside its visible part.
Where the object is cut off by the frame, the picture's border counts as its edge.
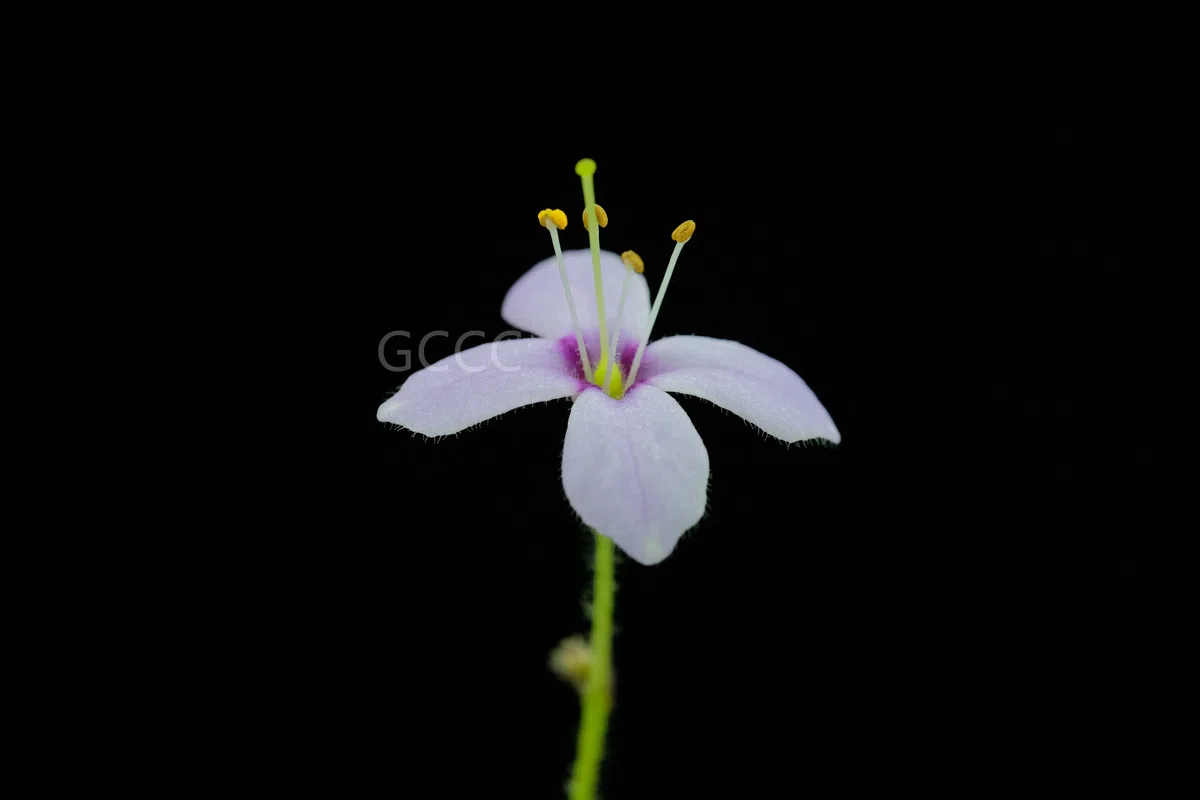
(608, 372)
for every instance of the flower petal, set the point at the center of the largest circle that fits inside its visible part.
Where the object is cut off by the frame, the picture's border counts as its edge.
(635, 470)
(477, 384)
(738, 378)
(536, 302)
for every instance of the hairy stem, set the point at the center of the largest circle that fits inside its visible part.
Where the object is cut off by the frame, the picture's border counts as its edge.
(594, 719)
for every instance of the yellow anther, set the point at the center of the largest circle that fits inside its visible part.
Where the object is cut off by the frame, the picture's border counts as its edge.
(632, 259)
(601, 217)
(684, 232)
(555, 215)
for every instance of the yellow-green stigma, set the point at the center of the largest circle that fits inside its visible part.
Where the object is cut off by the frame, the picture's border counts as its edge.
(616, 387)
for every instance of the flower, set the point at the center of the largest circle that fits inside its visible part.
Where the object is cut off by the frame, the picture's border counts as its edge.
(633, 466)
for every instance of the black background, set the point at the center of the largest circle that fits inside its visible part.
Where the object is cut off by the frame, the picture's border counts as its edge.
(955, 596)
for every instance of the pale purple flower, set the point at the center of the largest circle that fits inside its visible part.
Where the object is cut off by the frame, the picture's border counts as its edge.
(633, 467)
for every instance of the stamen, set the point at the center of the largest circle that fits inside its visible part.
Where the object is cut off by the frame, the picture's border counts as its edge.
(557, 219)
(681, 236)
(585, 169)
(633, 263)
(632, 259)
(555, 215)
(684, 231)
(601, 215)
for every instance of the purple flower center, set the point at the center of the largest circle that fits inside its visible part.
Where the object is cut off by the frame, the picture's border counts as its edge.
(627, 348)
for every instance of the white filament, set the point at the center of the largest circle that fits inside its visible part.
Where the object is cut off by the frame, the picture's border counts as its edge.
(562, 272)
(662, 290)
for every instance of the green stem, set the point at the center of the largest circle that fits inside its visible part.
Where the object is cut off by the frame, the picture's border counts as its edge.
(594, 719)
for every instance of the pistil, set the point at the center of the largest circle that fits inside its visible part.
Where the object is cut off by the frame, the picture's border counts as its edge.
(585, 169)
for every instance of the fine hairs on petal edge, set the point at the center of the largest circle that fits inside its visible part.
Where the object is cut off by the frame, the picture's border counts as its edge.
(395, 426)
(813, 441)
